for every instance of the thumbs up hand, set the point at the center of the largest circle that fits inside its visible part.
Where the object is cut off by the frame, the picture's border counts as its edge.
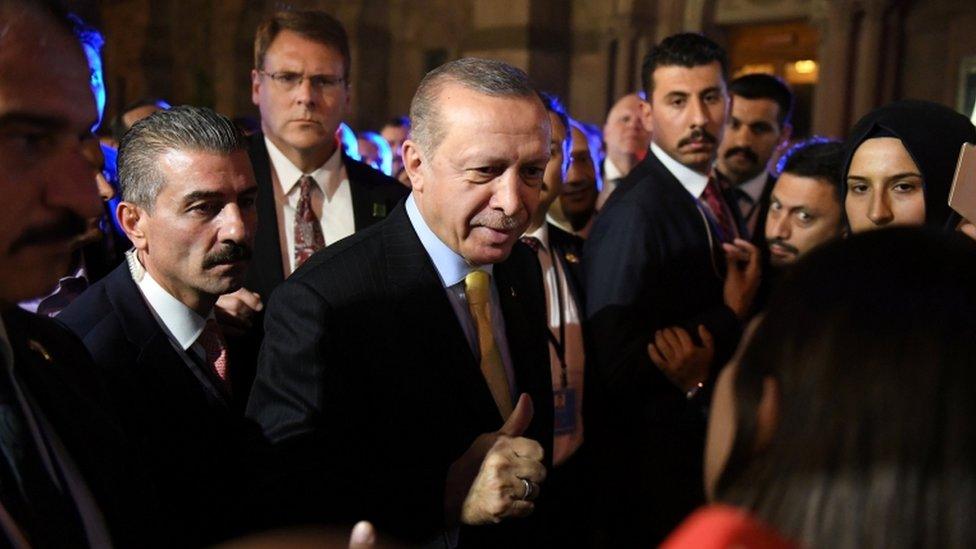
(498, 476)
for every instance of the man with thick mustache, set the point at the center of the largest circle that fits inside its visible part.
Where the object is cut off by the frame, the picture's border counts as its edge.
(656, 259)
(427, 430)
(758, 126)
(188, 206)
(66, 474)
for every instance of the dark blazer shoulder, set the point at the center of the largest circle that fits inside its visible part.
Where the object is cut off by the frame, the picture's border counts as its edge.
(96, 316)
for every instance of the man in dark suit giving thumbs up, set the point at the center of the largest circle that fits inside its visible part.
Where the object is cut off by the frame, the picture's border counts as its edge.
(398, 364)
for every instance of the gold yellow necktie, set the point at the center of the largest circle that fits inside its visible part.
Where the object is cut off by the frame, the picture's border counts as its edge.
(476, 287)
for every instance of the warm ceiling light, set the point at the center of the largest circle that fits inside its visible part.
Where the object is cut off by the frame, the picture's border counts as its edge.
(805, 66)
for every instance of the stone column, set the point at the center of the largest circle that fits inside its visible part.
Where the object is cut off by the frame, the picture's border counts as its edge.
(831, 103)
(870, 41)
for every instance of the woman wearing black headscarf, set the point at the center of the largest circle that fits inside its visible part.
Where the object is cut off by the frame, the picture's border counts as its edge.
(900, 160)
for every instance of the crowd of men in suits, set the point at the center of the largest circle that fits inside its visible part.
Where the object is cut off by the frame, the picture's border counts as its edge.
(295, 338)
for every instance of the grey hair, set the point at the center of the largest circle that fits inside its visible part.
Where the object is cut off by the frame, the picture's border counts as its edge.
(182, 128)
(486, 76)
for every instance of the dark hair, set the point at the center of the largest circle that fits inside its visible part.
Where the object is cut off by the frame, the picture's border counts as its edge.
(871, 341)
(686, 49)
(554, 105)
(182, 128)
(817, 157)
(766, 86)
(119, 127)
(932, 134)
(316, 26)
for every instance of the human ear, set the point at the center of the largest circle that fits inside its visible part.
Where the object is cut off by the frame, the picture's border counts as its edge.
(132, 220)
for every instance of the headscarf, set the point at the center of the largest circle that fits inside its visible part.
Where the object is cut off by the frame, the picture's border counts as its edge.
(932, 134)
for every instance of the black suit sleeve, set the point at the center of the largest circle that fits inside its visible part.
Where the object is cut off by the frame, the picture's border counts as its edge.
(624, 302)
(619, 269)
(288, 389)
(314, 402)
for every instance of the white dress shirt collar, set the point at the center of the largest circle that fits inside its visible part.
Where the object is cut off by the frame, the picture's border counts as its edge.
(542, 234)
(327, 176)
(451, 267)
(182, 322)
(754, 187)
(691, 180)
(610, 170)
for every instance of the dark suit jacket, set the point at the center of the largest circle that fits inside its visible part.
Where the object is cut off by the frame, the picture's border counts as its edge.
(187, 429)
(652, 261)
(759, 234)
(374, 195)
(67, 388)
(367, 381)
(568, 249)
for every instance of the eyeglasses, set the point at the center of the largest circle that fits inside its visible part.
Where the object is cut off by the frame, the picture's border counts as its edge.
(288, 81)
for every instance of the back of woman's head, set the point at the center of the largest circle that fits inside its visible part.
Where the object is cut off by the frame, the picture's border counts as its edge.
(872, 342)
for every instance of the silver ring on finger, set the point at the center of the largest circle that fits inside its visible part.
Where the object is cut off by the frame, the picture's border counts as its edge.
(529, 489)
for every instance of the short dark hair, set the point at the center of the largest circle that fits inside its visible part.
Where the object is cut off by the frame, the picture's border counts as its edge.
(870, 340)
(119, 127)
(766, 86)
(687, 49)
(817, 157)
(314, 25)
(182, 128)
(554, 105)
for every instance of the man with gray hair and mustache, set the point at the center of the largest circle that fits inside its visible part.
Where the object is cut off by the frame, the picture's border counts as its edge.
(188, 196)
(405, 370)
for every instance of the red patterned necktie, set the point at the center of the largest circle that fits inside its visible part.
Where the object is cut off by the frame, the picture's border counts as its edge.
(721, 214)
(215, 348)
(308, 230)
(532, 242)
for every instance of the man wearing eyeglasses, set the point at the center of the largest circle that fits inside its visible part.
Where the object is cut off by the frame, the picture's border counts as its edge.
(310, 193)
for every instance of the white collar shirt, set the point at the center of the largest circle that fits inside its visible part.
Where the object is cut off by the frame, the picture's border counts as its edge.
(452, 269)
(558, 293)
(331, 199)
(692, 181)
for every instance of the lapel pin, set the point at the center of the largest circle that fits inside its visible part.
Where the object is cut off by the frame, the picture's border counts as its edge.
(512, 289)
(571, 257)
(39, 349)
(379, 209)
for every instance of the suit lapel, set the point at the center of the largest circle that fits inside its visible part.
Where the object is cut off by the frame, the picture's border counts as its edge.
(688, 209)
(360, 188)
(522, 331)
(422, 306)
(569, 255)
(266, 272)
(157, 354)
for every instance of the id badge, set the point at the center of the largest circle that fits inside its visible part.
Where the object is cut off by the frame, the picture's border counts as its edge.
(564, 401)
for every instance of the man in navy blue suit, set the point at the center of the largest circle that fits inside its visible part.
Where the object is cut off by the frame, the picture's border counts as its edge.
(189, 209)
(656, 260)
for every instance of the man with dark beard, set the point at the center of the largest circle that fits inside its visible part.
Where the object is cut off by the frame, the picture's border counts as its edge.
(758, 126)
(805, 210)
(188, 195)
(655, 261)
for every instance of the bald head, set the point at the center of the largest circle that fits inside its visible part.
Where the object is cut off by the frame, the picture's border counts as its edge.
(624, 133)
